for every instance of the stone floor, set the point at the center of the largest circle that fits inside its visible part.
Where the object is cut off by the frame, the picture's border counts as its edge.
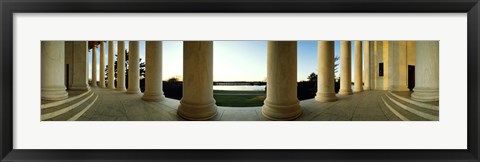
(119, 106)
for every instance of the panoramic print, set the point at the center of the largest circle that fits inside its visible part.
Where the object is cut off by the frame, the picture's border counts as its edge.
(258, 80)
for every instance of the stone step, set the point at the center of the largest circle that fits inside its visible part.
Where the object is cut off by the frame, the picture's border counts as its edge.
(64, 108)
(394, 111)
(400, 112)
(77, 112)
(65, 101)
(66, 104)
(390, 115)
(419, 111)
(417, 103)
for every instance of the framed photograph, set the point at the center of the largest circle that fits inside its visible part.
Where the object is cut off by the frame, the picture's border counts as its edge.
(236, 80)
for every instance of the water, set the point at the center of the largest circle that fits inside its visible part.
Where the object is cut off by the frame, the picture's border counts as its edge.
(240, 88)
(243, 87)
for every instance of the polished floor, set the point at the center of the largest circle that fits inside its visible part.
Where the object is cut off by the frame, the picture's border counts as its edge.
(113, 105)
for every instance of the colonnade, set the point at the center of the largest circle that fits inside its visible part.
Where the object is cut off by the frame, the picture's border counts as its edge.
(281, 102)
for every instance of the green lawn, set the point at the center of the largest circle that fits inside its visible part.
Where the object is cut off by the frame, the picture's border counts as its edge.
(239, 98)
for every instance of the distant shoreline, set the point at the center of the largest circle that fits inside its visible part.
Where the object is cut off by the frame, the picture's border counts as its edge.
(240, 92)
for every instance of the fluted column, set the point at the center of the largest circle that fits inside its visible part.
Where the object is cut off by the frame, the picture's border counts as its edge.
(358, 67)
(53, 70)
(133, 68)
(380, 58)
(326, 76)
(102, 64)
(345, 68)
(111, 62)
(377, 48)
(197, 102)
(80, 66)
(281, 102)
(426, 71)
(398, 66)
(366, 65)
(387, 61)
(94, 66)
(153, 80)
(87, 68)
(121, 66)
(372, 64)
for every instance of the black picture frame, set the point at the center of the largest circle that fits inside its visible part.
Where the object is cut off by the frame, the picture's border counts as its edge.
(9, 7)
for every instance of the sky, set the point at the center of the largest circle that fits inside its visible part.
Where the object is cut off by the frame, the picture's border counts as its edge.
(232, 60)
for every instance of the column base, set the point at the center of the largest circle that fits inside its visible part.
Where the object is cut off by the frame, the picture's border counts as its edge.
(54, 94)
(197, 112)
(366, 88)
(325, 97)
(134, 91)
(355, 90)
(281, 112)
(153, 97)
(101, 85)
(93, 85)
(345, 92)
(425, 95)
(111, 87)
(122, 89)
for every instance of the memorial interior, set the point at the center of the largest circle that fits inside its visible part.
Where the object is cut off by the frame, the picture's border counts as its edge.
(392, 81)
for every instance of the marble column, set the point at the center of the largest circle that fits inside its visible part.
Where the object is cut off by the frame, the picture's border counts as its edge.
(69, 64)
(121, 66)
(358, 87)
(380, 58)
(153, 80)
(133, 68)
(426, 71)
(102, 64)
(53, 70)
(111, 66)
(197, 102)
(80, 66)
(372, 63)
(281, 102)
(397, 53)
(386, 63)
(366, 65)
(87, 74)
(376, 60)
(326, 77)
(94, 66)
(345, 68)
